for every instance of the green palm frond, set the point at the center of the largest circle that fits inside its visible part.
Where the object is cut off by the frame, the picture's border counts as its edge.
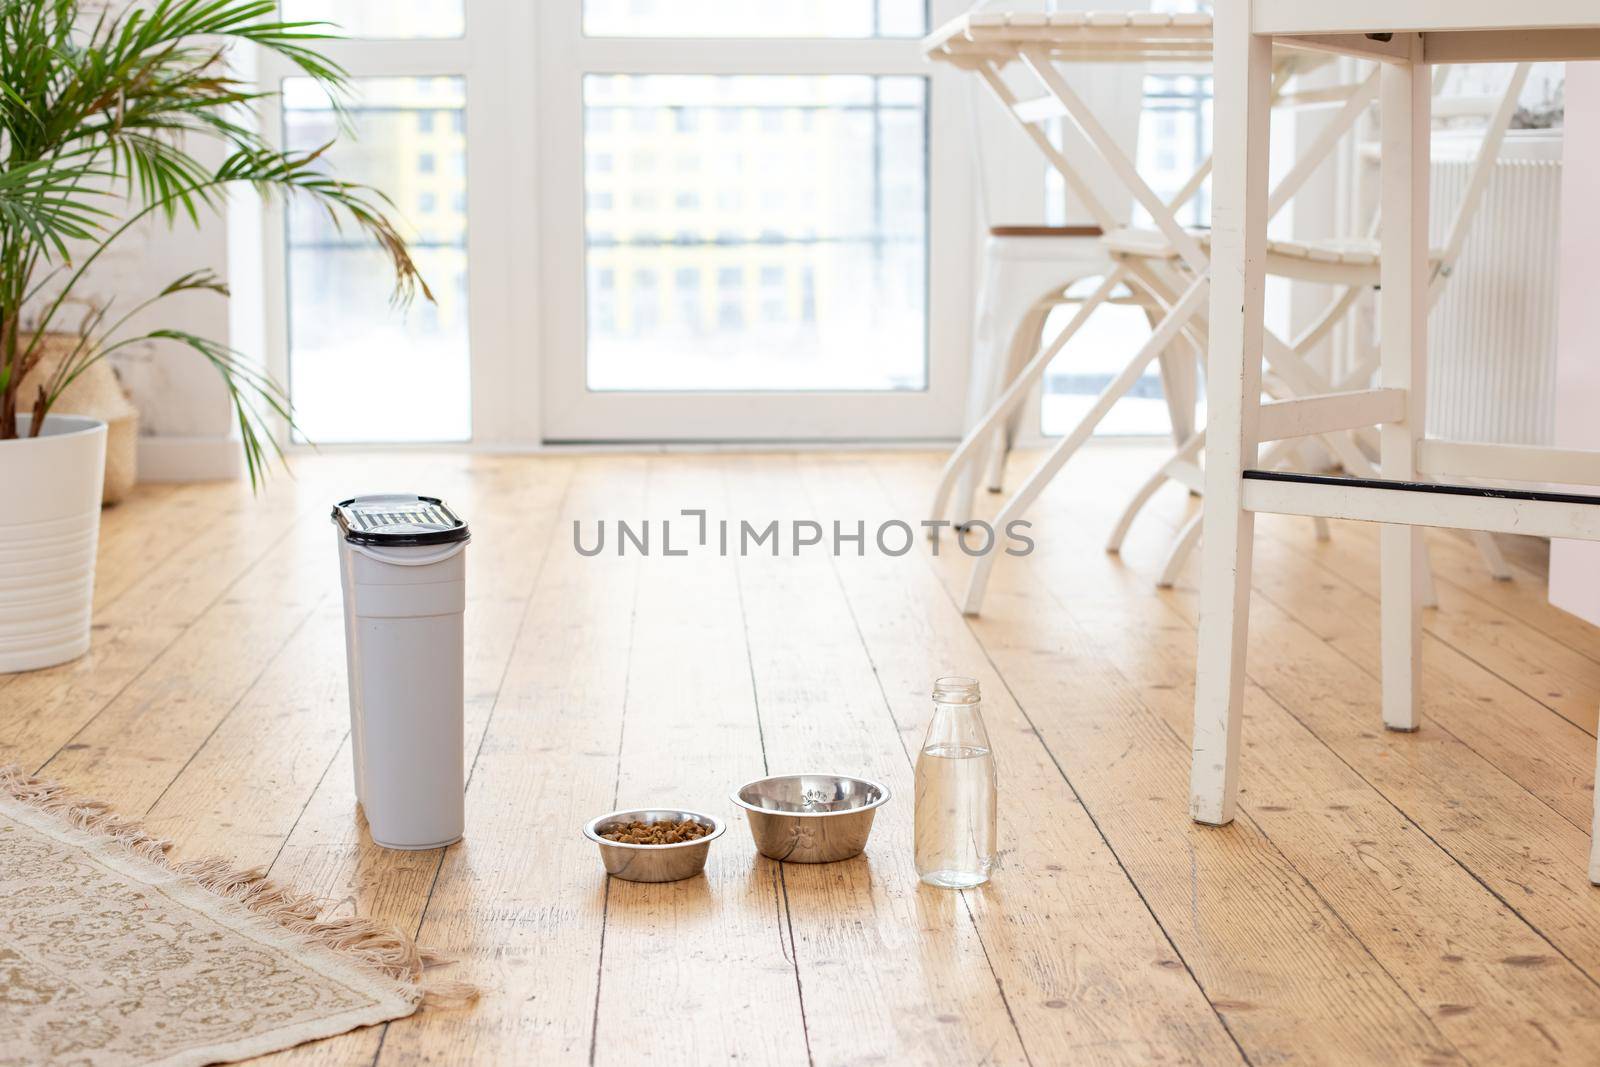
(101, 121)
(255, 396)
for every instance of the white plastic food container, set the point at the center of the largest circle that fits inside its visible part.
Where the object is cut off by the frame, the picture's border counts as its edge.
(402, 567)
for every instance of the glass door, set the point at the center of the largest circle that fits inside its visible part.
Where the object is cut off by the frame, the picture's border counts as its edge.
(425, 120)
(755, 221)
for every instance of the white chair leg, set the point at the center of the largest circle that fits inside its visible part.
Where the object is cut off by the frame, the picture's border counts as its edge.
(1242, 73)
(1178, 554)
(1594, 827)
(1320, 526)
(994, 471)
(1406, 102)
(1493, 558)
(1427, 590)
(1219, 667)
(1171, 326)
(969, 448)
(1186, 454)
(1177, 366)
(1026, 341)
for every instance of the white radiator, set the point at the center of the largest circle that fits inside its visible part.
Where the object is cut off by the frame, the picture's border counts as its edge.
(1492, 349)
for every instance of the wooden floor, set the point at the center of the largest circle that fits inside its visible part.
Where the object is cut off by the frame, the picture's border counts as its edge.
(1381, 898)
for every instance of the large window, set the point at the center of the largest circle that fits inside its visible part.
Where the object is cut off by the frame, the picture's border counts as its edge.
(640, 220)
(384, 19)
(769, 217)
(755, 18)
(359, 369)
(755, 232)
(1174, 140)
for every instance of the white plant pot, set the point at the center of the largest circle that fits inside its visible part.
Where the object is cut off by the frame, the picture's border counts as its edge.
(49, 530)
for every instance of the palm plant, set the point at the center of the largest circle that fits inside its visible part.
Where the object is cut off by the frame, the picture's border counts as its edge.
(100, 116)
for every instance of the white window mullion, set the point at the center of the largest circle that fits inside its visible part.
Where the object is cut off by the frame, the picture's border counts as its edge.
(502, 223)
(522, 66)
(381, 69)
(575, 411)
(694, 55)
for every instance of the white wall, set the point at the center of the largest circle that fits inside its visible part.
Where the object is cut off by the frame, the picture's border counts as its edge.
(186, 422)
(1575, 565)
(185, 419)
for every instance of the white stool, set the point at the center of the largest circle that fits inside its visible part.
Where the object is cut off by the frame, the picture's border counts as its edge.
(1405, 36)
(1036, 44)
(1026, 273)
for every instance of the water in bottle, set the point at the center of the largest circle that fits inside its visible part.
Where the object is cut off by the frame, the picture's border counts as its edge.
(955, 835)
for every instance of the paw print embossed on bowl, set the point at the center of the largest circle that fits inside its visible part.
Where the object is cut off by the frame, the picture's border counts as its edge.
(811, 818)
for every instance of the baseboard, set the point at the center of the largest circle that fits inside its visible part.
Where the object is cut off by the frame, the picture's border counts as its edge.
(190, 459)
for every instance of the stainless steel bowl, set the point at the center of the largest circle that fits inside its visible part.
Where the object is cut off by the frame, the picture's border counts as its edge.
(811, 818)
(654, 863)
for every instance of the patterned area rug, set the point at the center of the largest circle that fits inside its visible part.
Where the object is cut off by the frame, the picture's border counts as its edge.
(111, 954)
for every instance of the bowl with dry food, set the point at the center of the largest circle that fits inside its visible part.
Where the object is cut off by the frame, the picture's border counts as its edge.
(654, 844)
(811, 818)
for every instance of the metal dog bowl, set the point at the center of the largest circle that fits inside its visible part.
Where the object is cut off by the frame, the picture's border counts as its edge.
(654, 863)
(811, 818)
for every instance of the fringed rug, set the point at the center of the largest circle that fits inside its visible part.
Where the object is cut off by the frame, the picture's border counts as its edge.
(112, 954)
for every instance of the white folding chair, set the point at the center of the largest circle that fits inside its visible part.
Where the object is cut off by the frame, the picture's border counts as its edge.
(1030, 269)
(1353, 266)
(1165, 268)
(1407, 36)
(1028, 272)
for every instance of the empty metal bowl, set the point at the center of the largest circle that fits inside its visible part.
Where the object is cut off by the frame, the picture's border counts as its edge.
(654, 863)
(811, 818)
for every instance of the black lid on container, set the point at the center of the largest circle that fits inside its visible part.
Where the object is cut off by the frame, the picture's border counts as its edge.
(398, 519)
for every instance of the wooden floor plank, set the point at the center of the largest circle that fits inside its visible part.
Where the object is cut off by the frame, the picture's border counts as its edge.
(1467, 968)
(1525, 597)
(1519, 847)
(520, 901)
(263, 762)
(43, 709)
(713, 949)
(132, 749)
(1088, 972)
(1382, 898)
(1540, 750)
(888, 973)
(242, 791)
(151, 525)
(1522, 849)
(46, 709)
(512, 507)
(1288, 976)
(207, 558)
(1563, 679)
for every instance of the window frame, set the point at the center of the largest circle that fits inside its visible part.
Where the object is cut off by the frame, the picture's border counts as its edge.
(484, 59)
(523, 67)
(573, 413)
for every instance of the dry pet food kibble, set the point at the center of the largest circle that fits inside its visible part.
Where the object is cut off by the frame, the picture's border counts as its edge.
(654, 833)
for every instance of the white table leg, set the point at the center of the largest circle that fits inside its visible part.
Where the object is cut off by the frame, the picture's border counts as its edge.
(1187, 455)
(1243, 75)
(1024, 343)
(1178, 365)
(1493, 558)
(1015, 392)
(1594, 828)
(1178, 554)
(1184, 310)
(1406, 96)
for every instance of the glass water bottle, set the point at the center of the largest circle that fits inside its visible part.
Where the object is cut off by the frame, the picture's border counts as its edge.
(955, 819)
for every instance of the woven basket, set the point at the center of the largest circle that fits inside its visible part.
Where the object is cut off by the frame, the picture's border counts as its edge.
(96, 393)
